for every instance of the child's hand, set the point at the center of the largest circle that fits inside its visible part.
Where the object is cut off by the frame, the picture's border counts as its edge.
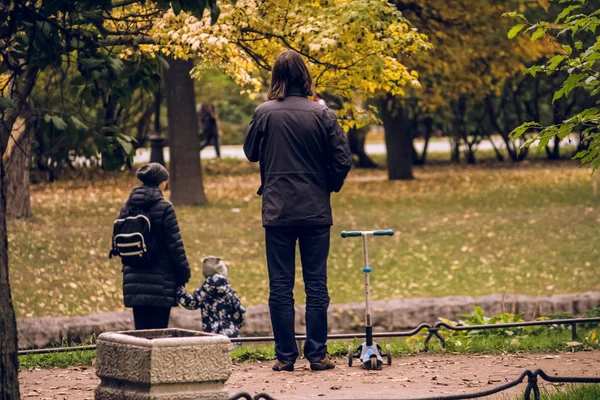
(186, 300)
(181, 291)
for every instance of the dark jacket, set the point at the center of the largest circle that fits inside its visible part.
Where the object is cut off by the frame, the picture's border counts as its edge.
(222, 311)
(304, 156)
(156, 284)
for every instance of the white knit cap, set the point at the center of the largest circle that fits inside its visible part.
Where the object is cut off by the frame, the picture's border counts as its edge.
(213, 265)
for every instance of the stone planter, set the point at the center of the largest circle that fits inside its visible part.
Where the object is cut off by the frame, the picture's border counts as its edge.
(165, 364)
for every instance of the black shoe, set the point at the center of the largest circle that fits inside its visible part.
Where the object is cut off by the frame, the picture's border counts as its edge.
(281, 366)
(322, 365)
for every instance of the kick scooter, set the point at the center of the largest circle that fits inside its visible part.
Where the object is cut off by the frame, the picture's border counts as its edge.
(369, 353)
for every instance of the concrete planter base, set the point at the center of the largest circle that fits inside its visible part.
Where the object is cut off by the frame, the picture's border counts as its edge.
(166, 364)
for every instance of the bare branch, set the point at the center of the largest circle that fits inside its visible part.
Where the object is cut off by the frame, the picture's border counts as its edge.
(124, 3)
(257, 58)
(128, 40)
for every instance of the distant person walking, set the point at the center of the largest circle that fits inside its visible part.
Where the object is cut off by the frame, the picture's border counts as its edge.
(147, 237)
(209, 122)
(304, 156)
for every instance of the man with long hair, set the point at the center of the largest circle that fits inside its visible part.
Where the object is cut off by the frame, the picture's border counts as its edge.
(304, 157)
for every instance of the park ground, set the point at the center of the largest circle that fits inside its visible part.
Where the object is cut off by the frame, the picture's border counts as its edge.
(525, 228)
(408, 377)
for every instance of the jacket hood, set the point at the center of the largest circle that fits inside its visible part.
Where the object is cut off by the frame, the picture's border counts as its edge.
(144, 196)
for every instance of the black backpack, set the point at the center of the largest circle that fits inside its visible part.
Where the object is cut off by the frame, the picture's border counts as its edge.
(132, 239)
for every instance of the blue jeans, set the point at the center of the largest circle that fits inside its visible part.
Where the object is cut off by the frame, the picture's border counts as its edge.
(281, 262)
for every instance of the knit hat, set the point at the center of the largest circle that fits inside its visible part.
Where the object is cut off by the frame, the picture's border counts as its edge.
(152, 174)
(212, 265)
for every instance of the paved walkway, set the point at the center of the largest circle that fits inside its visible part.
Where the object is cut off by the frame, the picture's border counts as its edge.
(408, 377)
(437, 146)
(143, 155)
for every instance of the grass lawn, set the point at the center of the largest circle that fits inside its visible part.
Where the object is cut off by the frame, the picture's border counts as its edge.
(461, 230)
(573, 392)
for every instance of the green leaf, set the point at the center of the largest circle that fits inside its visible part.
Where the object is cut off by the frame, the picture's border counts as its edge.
(5, 103)
(57, 121)
(534, 69)
(79, 80)
(126, 146)
(564, 13)
(554, 61)
(520, 130)
(176, 6)
(479, 314)
(571, 83)
(198, 9)
(78, 124)
(116, 64)
(538, 34)
(514, 14)
(580, 154)
(544, 140)
(77, 44)
(518, 318)
(514, 31)
(163, 63)
(44, 27)
(90, 63)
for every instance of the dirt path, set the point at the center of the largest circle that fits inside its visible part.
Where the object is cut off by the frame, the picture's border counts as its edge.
(409, 377)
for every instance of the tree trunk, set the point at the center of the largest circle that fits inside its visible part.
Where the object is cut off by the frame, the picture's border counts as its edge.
(398, 140)
(16, 160)
(421, 159)
(499, 156)
(9, 363)
(356, 140)
(471, 154)
(455, 149)
(186, 172)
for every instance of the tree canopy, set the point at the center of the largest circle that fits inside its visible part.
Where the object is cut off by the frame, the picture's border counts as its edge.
(574, 32)
(355, 49)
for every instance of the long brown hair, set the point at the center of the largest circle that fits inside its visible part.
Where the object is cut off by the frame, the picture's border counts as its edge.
(289, 71)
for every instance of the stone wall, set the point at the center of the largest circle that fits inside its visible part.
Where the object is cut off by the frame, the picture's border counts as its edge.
(392, 315)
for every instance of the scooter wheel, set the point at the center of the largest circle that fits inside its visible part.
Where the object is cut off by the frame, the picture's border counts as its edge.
(374, 363)
(350, 355)
(388, 350)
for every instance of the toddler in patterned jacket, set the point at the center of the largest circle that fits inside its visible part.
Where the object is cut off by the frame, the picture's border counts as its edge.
(222, 312)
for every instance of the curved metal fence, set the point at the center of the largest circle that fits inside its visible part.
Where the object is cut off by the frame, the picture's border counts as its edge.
(532, 388)
(432, 331)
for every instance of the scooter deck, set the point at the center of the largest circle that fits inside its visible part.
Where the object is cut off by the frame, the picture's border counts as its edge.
(371, 356)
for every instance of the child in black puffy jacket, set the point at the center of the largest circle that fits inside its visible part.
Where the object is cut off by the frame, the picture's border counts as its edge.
(222, 311)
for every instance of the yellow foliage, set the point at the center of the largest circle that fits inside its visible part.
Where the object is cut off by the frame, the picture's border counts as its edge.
(353, 48)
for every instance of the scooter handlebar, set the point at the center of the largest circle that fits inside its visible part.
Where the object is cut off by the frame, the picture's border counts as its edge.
(387, 232)
(347, 234)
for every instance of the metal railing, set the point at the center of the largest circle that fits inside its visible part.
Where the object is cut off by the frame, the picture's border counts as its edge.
(531, 388)
(432, 331)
